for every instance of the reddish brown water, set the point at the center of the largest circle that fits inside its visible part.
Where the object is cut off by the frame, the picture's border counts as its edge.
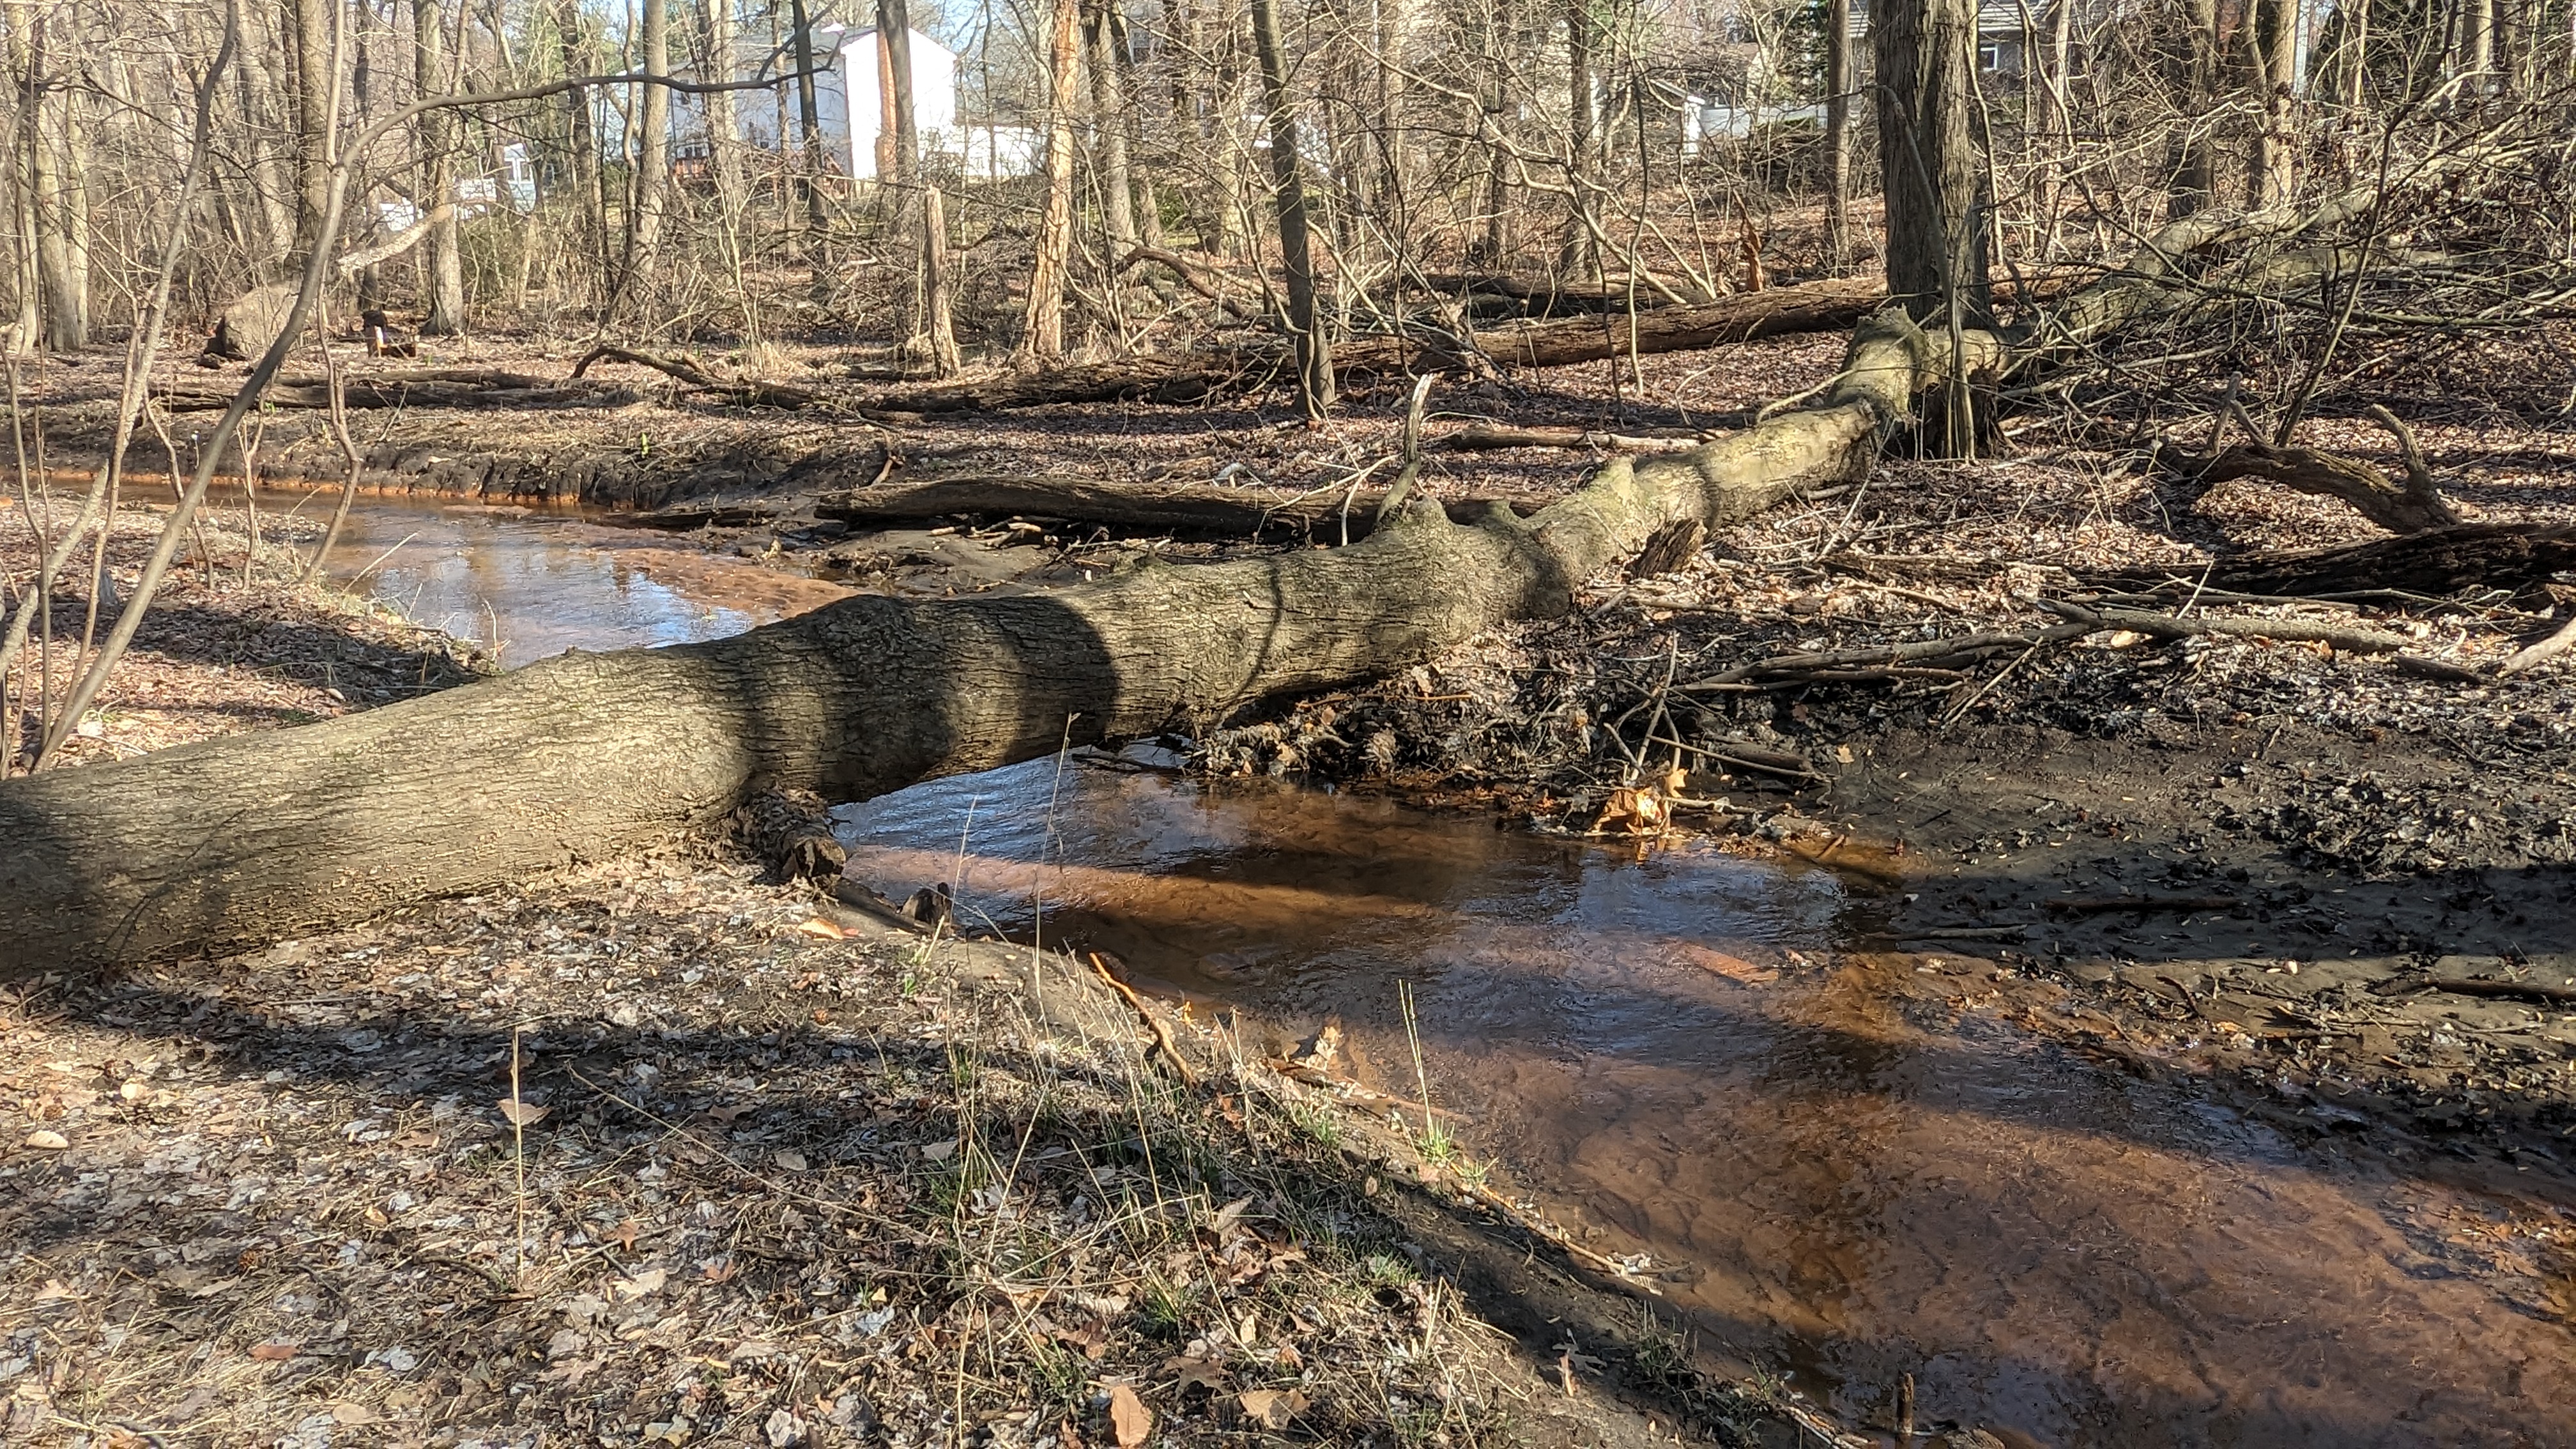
(2054, 1251)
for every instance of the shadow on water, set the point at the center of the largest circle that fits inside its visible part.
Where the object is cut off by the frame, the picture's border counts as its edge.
(1658, 1048)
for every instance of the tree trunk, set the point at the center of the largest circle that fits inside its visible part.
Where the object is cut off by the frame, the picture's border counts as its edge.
(314, 76)
(935, 288)
(442, 258)
(2197, 65)
(54, 185)
(652, 158)
(1581, 254)
(2477, 43)
(2271, 34)
(1936, 241)
(1314, 354)
(1109, 130)
(899, 165)
(1838, 87)
(1042, 339)
(809, 123)
(582, 139)
(1145, 203)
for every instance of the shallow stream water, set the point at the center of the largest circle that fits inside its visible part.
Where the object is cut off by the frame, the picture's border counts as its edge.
(1662, 1051)
(1665, 1051)
(543, 580)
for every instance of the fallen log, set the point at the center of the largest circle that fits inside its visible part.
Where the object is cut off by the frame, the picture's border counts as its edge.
(232, 842)
(238, 841)
(1191, 376)
(2436, 561)
(1193, 509)
(445, 387)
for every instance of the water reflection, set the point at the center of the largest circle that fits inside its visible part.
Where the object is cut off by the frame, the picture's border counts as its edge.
(1660, 1048)
(542, 581)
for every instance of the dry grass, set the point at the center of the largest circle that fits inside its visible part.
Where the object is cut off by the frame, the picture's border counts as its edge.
(774, 1186)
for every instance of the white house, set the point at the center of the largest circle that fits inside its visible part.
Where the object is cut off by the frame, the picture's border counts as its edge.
(850, 112)
(865, 74)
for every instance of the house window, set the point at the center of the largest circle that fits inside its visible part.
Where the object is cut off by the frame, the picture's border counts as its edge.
(1996, 55)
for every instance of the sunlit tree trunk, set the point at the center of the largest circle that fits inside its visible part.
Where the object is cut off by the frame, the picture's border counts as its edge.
(1314, 356)
(1936, 250)
(1141, 166)
(442, 258)
(1109, 126)
(935, 288)
(583, 138)
(899, 160)
(652, 156)
(266, 138)
(724, 154)
(56, 186)
(1043, 337)
(2271, 32)
(1580, 255)
(314, 75)
(2193, 160)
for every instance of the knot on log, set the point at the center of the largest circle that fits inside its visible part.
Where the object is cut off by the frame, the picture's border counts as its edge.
(789, 833)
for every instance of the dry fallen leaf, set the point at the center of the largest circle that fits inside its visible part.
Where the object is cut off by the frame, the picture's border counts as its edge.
(48, 1140)
(789, 1159)
(648, 1281)
(521, 1114)
(1270, 1408)
(275, 1351)
(1201, 1372)
(1129, 1417)
(820, 927)
(939, 1151)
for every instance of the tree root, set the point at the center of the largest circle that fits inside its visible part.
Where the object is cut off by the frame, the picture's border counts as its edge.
(2413, 506)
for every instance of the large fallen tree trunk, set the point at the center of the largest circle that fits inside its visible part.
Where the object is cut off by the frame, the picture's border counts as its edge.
(242, 840)
(246, 839)
(1172, 508)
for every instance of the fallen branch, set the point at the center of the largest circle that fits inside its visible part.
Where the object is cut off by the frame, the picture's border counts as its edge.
(741, 392)
(2495, 990)
(2409, 507)
(2346, 637)
(2436, 561)
(2541, 652)
(1162, 1034)
(446, 387)
(2100, 905)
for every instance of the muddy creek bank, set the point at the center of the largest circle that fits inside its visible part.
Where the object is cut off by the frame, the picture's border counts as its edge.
(1823, 1171)
(1848, 1165)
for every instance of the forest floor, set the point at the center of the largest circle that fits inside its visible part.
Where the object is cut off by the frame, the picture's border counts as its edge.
(796, 1176)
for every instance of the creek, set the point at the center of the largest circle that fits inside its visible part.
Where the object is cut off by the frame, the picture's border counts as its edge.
(1668, 1052)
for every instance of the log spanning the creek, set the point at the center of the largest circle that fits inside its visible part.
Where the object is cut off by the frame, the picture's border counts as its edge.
(234, 842)
(237, 841)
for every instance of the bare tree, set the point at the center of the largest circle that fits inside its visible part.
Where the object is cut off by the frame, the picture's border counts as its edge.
(1314, 353)
(1043, 337)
